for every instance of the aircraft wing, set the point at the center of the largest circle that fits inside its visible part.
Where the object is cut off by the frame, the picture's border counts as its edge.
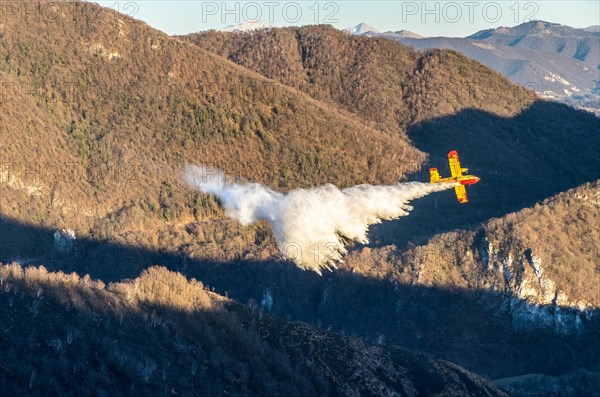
(461, 194)
(454, 164)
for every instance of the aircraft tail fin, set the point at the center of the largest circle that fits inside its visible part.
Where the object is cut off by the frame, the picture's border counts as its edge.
(434, 175)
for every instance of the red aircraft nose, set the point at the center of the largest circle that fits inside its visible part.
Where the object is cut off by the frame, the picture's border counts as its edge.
(470, 181)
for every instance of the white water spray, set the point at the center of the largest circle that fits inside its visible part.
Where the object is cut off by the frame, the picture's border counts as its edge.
(311, 225)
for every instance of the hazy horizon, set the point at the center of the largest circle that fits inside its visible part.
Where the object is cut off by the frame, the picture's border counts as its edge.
(456, 19)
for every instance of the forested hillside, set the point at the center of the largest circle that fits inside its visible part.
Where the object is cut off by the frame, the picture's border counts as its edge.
(389, 84)
(163, 334)
(97, 122)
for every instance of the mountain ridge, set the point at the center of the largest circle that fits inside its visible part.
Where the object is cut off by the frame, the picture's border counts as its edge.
(557, 61)
(90, 185)
(400, 74)
(361, 28)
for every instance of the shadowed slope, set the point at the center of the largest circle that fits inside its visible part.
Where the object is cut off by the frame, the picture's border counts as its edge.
(161, 333)
(470, 326)
(521, 160)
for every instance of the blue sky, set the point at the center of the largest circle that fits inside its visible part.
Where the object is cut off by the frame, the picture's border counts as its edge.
(431, 18)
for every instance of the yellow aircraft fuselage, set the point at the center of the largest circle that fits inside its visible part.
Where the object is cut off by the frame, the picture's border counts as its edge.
(463, 179)
(457, 176)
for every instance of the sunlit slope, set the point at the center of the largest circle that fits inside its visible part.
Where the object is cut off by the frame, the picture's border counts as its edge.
(546, 254)
(384, 82)
(104, 112)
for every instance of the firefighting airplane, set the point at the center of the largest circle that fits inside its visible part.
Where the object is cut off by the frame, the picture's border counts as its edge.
(457, 176)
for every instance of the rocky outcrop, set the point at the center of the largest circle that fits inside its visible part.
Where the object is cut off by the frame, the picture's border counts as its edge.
(64, 241)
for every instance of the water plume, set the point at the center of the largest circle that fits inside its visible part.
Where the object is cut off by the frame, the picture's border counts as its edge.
(311, 226)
